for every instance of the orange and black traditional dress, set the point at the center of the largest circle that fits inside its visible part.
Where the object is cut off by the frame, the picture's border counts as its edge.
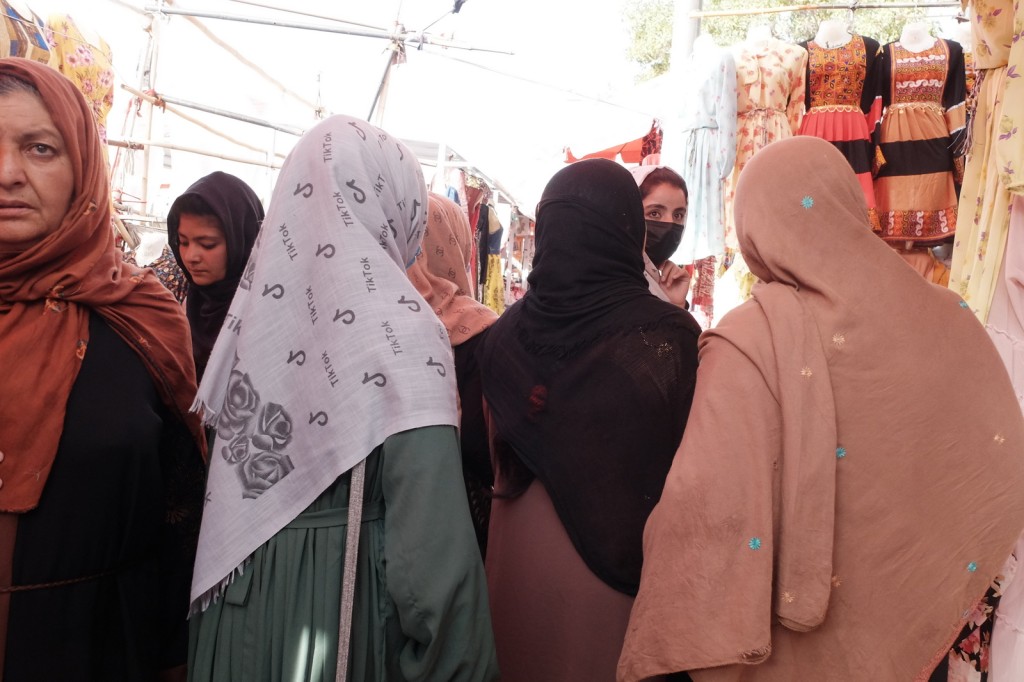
(843, 104)
(921, 140)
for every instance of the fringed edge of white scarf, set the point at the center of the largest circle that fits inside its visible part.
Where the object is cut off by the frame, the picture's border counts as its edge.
(209, 416)
(213, 595)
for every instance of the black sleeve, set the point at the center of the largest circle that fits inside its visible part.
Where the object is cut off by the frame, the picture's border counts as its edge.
(955, 92)
(872, 76)
(184, 484)
(885, 75)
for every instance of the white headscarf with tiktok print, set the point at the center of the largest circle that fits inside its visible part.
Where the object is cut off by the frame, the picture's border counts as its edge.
(327, 348)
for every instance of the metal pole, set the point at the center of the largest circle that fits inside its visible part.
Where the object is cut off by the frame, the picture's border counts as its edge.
(293, 130)
(800, 8)
(382, 87)
(407, 37)
(195, 121)
(307, 14)
(146, 144)
(148, 78)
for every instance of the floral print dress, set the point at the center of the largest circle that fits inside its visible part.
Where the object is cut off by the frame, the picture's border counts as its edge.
(770, 92)
(89, 67)
(701, 147)
(995, 164)
(770, 95)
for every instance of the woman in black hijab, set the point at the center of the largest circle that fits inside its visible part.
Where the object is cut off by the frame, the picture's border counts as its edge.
(588, 382)
(211, 229)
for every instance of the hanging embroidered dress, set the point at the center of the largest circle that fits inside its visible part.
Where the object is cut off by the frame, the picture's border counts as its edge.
(89, 67)
(843, 106)
(770, 93)
(22, 36)
(920, 138)
(701, 147)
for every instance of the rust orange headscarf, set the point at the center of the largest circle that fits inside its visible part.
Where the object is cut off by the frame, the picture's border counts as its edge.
(439, 273)
(46, 294)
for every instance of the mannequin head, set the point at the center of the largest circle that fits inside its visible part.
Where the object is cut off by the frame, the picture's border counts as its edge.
(917, 36)
(961, 33)
(832, 33)
(759, 32)
(703, 43)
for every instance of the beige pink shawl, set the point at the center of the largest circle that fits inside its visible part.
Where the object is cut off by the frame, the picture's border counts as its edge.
(440, 272)
(849, 481)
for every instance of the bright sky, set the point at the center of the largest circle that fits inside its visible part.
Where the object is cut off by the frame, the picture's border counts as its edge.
(513, 129)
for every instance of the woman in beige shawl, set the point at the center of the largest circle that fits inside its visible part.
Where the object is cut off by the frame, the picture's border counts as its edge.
(812, 526)
(440, 274)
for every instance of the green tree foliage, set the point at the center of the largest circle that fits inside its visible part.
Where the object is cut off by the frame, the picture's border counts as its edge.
(884, 25)
(650, 24)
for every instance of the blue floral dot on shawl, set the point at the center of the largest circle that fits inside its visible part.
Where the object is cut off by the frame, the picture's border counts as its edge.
(972, 567)
(840, 453)
(807, 202)
(964, 305)
(754, 544)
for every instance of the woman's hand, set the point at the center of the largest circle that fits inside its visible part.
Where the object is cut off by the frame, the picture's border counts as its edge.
(675, 282)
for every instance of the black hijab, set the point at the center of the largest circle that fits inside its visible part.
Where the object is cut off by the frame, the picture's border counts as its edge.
(589, 378)
(240, 213)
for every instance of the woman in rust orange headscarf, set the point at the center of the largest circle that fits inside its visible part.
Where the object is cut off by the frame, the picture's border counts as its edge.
(100, 467)
(441, 275)
(812, 526)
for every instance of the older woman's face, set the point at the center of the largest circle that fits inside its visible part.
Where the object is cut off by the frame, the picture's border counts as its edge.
(36, 178)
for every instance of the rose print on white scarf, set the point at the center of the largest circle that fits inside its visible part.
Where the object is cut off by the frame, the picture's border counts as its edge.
(256, 437)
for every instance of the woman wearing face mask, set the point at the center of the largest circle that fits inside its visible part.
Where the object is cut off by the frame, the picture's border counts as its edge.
(211, 229)
(588, 381)
(665, 201)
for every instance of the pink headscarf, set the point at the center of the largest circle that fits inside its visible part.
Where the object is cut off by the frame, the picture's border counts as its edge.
(440, 271)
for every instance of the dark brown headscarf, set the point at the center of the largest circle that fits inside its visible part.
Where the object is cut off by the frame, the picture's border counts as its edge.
(240, 214)
(47, 293)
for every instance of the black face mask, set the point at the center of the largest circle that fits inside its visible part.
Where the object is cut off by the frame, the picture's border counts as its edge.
(662, 240)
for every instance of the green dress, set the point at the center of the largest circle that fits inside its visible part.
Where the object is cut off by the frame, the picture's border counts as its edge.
(421, 610)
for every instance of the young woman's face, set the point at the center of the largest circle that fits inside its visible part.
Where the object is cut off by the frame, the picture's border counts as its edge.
(36, 178)
(665, 203)
(203, 249)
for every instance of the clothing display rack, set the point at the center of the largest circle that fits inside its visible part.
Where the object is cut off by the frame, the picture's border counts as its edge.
(700, 14)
